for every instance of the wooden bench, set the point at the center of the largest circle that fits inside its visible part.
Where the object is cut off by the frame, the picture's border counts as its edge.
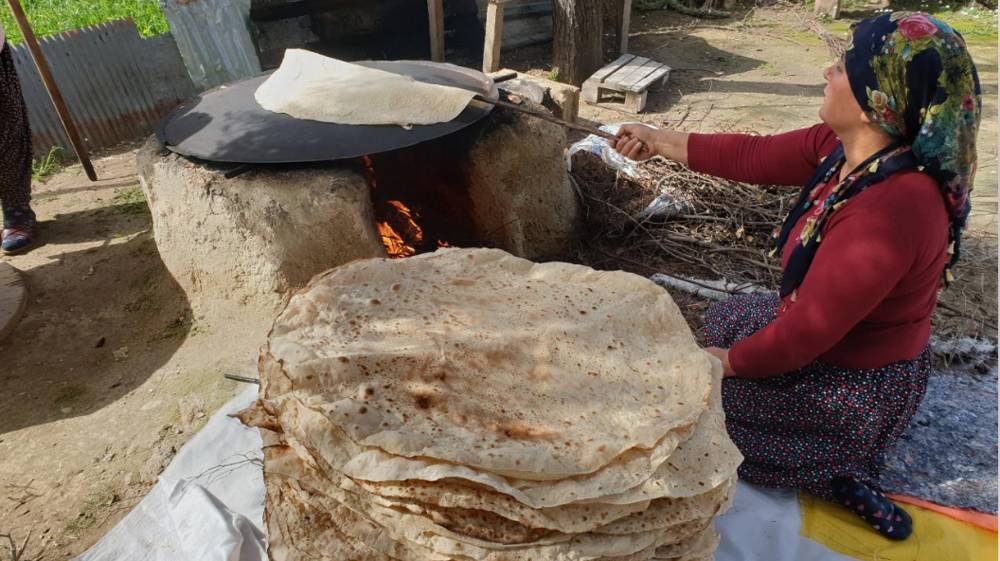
(631, 77)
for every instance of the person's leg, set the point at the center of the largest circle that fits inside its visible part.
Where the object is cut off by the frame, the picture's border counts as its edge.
(863, 498)
(15, 160)
(738, 317)
(873, 507)
(823, 429)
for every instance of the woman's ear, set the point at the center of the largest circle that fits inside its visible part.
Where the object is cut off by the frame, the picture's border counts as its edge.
(865, 118)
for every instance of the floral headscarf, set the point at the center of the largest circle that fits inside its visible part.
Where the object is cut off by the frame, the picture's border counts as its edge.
(913, 75)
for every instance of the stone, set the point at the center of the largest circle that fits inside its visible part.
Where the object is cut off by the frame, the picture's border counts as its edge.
(827, 8)
(563, 98)
(522, 196)
(191, 409)
(254, 237)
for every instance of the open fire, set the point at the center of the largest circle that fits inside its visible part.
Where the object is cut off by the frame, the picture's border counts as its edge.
(402, 226)
(399, 231)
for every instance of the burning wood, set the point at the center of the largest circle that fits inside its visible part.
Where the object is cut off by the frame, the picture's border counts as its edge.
(401, 235)
(403, 230)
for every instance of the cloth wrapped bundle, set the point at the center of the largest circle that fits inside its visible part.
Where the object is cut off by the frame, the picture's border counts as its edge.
(470, 405)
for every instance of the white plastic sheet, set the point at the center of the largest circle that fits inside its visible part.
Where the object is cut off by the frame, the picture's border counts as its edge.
(600, 148)
(663, 207)
(209, 505)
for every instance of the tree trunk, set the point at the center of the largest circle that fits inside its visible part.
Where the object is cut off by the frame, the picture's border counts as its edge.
(576, 39)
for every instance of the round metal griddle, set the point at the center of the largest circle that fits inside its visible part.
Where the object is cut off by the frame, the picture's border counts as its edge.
(226, 124)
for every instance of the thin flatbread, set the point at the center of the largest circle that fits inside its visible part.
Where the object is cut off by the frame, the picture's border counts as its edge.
(318, 88)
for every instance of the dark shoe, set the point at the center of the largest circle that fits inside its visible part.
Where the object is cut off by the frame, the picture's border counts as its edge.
(886, 517)
(18, 230)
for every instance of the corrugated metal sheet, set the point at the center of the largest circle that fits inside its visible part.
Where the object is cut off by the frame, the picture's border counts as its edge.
(214, 39)
(114, 87)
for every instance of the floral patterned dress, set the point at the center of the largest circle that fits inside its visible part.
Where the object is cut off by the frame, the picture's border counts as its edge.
(15, 137)
(803, 428)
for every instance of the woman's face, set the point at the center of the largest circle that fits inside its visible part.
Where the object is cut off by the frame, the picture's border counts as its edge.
(840, 109)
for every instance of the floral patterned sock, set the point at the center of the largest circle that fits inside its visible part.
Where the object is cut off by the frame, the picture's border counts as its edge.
(873, 507)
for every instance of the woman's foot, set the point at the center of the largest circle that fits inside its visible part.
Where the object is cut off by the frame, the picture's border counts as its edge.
(873, 507)
(18, 230)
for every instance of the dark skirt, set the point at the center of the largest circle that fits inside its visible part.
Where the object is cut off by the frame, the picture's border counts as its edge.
(15, 137)
(803, 428)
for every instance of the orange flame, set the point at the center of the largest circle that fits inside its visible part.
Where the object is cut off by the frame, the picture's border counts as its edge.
(400, 232)
(396, 223)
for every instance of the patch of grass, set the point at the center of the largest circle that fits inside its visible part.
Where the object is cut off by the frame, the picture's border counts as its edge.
(805, 37)
(69, 394)
(130, 200)
(49, 17)
(92, 506)
(972, 20)
(770, 69)
(554, 74)
(181, 326)
(839, 27)
(48, 165)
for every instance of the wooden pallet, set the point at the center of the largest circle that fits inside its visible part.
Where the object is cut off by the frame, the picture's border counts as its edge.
(630, 77)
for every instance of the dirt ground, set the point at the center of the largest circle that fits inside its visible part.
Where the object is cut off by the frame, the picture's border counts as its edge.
(108, 373)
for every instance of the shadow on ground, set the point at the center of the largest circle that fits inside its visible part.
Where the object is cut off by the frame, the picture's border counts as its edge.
(113, 311)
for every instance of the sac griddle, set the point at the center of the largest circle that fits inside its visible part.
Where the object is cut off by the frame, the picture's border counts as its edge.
(226, 124)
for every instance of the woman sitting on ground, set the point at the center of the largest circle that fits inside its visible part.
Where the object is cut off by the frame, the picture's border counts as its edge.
(824, 376)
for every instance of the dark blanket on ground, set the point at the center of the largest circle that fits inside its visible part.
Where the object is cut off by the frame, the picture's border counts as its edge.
(948, 455)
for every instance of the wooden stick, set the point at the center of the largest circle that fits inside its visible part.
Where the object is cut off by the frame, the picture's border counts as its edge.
(435, 15)
(494, 31)
(238, 378)
(626, 24)
(51, 88)
(547, 117)
(497, 78)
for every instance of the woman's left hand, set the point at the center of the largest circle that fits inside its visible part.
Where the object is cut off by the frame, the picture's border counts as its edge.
(723, 356)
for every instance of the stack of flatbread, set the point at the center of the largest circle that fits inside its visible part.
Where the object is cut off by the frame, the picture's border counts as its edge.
(470, 405)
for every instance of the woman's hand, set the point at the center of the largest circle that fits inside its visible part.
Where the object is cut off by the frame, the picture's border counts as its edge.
(723, 356)
(636, 142)
(639, 142)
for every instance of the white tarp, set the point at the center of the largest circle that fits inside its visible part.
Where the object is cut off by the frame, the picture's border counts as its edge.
(209, 504)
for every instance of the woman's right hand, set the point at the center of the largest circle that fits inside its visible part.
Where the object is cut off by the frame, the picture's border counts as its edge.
(639, 142)
(636, 142)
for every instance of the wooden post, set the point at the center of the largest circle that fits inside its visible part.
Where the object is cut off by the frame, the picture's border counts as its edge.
(576, 39)
(494, 31)
(828, 8)
(626, 23)
(435, 16)
(50, 86)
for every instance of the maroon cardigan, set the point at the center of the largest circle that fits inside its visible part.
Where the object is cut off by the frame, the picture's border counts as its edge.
(870, 291)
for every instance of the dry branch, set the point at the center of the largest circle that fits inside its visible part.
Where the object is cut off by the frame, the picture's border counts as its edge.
(725, 232)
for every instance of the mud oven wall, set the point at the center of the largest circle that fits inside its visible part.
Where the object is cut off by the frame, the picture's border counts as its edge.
(257, 236)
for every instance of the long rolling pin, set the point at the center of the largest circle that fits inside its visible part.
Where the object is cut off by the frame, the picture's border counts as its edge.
(546, 117)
